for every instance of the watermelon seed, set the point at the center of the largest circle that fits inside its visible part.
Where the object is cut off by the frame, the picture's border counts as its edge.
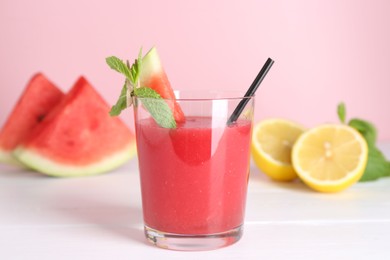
(40, 117)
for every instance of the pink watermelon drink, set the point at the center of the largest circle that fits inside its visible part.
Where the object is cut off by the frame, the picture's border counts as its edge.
(194, 177)
(193, 164)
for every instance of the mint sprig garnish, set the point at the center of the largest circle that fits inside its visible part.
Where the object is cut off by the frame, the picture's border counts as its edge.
(119, 66)
(151, 100)
(121, 103)
(156, 106)
(377, 164)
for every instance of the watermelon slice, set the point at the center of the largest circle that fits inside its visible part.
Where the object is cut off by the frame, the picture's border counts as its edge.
(38, 98)
(78, 138)
(153, 76)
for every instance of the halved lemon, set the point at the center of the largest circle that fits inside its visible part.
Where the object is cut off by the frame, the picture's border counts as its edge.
(330, 157)
(272, 142)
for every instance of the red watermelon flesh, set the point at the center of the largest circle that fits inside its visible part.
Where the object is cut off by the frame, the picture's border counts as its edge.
(37, 100)
(79, 137)
(154, 76)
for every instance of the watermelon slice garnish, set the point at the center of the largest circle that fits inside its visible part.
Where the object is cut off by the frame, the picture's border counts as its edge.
(37, 100)
(152, 75)
(78, 138)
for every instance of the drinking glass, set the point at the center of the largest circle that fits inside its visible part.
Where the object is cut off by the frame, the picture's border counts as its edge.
(194, 177)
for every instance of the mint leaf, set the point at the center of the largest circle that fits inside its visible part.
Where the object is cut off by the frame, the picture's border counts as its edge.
(341, 112)
(135, 72)
(156, 106)
(146, 92)
(119, 66)
(365, 128)
(121, 103)
(377, 166)
(137, 67)
(132, 80)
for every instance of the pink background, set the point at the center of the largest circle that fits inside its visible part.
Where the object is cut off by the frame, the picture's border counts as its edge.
(324, 51)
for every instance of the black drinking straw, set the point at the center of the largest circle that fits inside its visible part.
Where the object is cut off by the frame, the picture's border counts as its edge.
(251, 91)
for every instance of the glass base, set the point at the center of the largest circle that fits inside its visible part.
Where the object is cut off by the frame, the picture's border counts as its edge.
(193, 242)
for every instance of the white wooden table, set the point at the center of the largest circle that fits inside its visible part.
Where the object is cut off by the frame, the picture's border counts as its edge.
(100, 218)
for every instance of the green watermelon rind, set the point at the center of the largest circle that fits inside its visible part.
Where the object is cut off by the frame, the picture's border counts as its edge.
(44, 165)
(8, 158)
(151, 64)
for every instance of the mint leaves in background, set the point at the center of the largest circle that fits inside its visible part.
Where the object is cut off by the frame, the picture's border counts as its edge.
(341, 112)
(377, 164)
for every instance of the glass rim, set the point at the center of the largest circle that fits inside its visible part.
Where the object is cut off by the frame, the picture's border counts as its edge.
(206, 95)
